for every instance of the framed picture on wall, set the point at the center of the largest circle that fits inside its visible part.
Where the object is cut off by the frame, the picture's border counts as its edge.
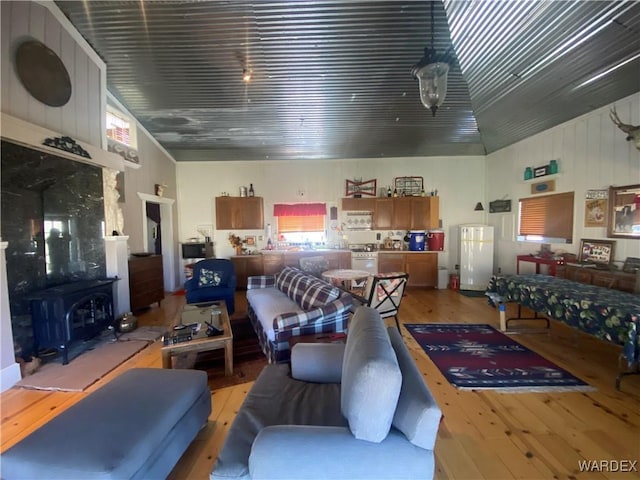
(596, 251)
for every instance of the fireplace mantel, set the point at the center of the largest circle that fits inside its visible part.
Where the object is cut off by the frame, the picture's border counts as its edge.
(32, 136)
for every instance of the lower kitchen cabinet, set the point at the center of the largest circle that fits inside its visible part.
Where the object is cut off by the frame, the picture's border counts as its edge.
(422, 267)
(246, 266)
(391, 262)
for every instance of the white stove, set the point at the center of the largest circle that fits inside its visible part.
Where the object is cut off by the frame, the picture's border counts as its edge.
(364, 257)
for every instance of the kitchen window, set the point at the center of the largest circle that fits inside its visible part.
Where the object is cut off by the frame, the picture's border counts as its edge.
(301, 222)
(546, 219)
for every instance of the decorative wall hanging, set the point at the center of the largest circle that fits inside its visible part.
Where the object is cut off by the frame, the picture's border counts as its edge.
(543, 187)
(42, 73)
(409, 186)
(500, 206)
(356, 188)
(596, 251)
(595, 208)
(125, 152)
(632, 131)
(624, 212)
(66, 144)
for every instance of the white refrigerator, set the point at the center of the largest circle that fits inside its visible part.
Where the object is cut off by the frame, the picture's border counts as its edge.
(476, 256)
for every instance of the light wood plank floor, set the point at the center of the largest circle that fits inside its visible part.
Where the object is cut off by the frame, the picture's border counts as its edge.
(483, 435)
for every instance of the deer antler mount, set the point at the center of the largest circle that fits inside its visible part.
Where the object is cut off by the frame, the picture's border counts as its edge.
(632, 131)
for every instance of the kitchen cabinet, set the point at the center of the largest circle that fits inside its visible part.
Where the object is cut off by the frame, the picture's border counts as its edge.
(246, 266)
(272, 263)
(405, 213)
(383, 214)
(358, 204)
(146, 281)
(390, 262)
(402, 213)
(239, 213)
(422, 267)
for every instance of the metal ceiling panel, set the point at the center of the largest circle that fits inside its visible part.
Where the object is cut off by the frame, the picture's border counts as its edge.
(331, 79)
(525, 62)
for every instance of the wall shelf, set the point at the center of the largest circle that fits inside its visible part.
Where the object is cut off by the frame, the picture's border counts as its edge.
(543, 178)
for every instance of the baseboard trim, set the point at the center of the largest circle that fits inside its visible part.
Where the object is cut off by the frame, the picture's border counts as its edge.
(9, 376)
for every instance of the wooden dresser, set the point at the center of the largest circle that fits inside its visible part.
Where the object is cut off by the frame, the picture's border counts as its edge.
(146, 281)
(616, 280)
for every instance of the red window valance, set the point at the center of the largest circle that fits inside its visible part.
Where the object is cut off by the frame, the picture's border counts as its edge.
(299, 209)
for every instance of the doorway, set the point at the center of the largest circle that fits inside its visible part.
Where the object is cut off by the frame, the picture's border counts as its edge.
(166, 246)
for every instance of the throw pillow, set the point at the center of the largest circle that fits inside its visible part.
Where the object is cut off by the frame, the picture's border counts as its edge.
(371, 377)
(209, 278)
(317, 295)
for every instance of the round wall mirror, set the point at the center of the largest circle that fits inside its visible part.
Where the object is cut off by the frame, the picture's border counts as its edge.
(43, 74)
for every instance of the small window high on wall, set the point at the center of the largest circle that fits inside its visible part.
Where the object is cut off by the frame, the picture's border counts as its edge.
(547, 219)
(301, 222)
(121, 128)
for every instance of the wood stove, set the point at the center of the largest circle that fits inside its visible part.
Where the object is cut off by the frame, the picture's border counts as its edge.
(71, 312)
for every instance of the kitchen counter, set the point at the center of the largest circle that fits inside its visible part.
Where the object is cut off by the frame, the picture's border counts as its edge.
(406, 251)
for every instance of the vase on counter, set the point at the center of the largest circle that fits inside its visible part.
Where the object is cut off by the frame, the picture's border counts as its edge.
(238, 250)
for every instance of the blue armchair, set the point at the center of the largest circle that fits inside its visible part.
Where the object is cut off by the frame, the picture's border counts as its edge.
(213, 279)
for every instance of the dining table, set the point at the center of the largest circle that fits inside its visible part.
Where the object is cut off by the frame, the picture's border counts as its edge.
(344, 277)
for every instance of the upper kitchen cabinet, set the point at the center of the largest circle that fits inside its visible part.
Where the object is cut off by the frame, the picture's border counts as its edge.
(358, 204)
(239, 213)
(383, 214)
(425, 213)
(406, 213)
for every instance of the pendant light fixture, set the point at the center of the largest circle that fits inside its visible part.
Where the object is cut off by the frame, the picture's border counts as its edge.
(432, 71)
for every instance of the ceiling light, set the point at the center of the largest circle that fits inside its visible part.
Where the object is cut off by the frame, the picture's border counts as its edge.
(432, 71)
(246, 75)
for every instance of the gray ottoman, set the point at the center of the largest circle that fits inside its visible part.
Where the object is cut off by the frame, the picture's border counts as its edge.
(137, 426)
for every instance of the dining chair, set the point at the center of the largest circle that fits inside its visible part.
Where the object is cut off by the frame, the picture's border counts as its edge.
(384, 292)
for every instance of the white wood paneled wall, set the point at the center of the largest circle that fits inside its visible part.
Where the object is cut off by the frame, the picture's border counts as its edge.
(592, 154)
(81, 118)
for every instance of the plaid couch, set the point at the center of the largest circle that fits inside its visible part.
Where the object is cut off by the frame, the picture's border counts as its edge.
(293, 303)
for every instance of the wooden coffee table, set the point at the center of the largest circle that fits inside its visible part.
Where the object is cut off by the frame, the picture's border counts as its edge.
(213, 312)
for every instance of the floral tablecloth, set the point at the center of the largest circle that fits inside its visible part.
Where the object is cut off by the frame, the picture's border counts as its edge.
(608, 314)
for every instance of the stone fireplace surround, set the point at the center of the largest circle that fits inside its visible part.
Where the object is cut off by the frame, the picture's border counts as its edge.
(23, 134)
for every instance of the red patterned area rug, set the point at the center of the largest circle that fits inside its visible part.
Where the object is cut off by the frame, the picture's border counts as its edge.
(477, 356)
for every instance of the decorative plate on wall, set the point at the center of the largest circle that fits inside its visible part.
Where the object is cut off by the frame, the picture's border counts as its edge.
(42, 73)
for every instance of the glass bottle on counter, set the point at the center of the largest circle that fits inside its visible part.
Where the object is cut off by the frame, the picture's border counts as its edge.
(251, 192)
(388, 191)
(395, 192)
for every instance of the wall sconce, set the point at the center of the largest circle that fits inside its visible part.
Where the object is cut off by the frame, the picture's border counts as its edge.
(432, 72)
(479, 207)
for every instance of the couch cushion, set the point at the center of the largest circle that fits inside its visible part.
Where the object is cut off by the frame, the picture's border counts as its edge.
(275, 399)
(417, 415)
(371, 377)
(318, 294)
(268, 303)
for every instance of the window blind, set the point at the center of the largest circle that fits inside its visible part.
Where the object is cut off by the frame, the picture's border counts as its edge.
(547, 216)
(299, 223)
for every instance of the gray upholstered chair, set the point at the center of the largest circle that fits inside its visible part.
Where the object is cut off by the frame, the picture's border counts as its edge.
(314, 265)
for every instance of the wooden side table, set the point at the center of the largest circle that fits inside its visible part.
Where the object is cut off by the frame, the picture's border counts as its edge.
(551, 262)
